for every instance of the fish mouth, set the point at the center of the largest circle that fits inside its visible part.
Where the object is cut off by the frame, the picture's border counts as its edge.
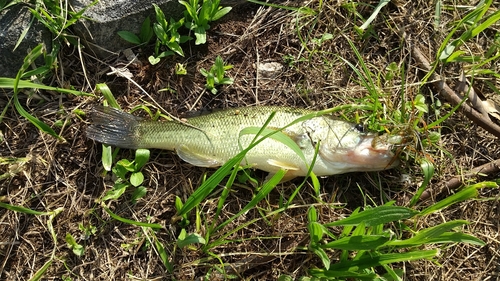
(373, 153)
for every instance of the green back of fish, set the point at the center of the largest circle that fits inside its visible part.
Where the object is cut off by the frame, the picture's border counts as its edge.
(215, 135)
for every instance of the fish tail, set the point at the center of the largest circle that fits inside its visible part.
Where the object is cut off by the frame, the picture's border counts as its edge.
(114, 127)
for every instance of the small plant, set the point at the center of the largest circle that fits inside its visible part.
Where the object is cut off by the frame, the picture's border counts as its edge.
(167, 35)
(180, 69)
(197, 18)
(216, 75)
(73, 245)
(129, 174)
(145, 34)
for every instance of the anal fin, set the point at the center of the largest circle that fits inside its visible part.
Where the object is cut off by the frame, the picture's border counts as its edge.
(283, 165)
(196, 159)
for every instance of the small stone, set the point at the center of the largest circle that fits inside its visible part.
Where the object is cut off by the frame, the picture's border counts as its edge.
(269, 69)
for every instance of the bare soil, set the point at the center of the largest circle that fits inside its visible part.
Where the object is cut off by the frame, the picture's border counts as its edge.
(69, 174)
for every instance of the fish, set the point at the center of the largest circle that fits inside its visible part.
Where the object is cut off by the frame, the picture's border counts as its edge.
(336, 146)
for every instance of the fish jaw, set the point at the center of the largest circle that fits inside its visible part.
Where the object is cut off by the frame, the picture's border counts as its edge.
(371, 154)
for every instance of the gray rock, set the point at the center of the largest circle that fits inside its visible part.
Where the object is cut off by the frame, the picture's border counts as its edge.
(13, 21)
(110, 16)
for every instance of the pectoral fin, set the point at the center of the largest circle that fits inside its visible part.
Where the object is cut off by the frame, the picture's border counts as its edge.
(196, 159)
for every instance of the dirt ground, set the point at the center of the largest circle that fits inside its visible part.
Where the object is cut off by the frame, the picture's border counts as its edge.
(68, 174)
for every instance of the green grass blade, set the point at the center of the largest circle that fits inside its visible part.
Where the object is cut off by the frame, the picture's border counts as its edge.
(8, 83)
(108, 95)
(303, 10)
(132, 222)
(35, 121)
(21, 209)
(163, 255)
(377, 9)
(264, 191)
(376, 216)
(278, 136)
(39, 273)
(209, 185)
(424, 236)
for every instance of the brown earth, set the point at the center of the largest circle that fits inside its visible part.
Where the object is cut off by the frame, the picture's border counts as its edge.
(68, 174)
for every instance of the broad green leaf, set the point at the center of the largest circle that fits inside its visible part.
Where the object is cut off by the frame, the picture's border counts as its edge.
(193, 238)
(312, 214)
(220, 13)
(107, 157)
(376, 216)
(130, 37)
(136, 179)
(174, 46)
(420, 104)
(357, 243)
(153, 60)
(456, 237)
(146, 32)
(116, 192)
(322, 255)
(315, 232)
(141, 158)
(201, 35)
(120, 171)
(138, 193)
(178, 203)
(126, 164)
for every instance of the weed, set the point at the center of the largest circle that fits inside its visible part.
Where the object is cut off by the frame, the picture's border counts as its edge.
(216, 75)
(198, 18)
(167, 34)
(57, 18)
(145, 34)
(129, 175)
(73, 245)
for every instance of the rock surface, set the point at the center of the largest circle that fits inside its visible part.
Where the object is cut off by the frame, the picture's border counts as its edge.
(13, 21)
(110, 16)
(98, 32)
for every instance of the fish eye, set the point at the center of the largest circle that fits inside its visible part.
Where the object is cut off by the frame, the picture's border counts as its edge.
(360, 128)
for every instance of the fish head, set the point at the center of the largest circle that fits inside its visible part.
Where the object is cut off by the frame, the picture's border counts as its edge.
(349, 147)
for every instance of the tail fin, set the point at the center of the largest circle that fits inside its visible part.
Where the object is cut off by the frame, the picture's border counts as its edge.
(113, 127)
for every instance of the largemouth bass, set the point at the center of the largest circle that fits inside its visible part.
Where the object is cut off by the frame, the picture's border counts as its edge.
(211, 140)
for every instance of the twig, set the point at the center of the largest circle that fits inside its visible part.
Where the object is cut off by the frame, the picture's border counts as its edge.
(453, 97)
(456, 182)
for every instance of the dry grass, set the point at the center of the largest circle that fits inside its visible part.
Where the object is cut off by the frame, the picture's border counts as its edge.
(68, 175)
